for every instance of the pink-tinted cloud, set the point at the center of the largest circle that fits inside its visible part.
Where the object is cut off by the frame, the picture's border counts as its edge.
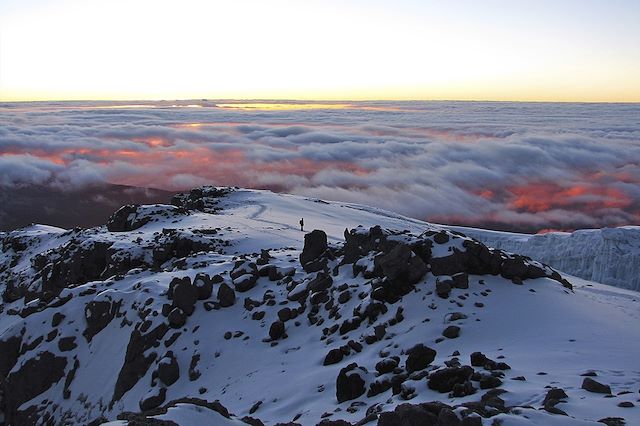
(516, 166)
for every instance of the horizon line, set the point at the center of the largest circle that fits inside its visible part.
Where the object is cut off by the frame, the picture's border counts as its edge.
(320, 100)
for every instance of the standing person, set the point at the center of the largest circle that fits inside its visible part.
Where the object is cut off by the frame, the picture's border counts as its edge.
(302, 224)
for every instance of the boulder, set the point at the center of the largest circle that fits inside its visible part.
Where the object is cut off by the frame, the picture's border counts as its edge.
(124, 219)
(245, 282)
(387, 365)
(334, 356)
(185, 296)
(594, 386)
(322, 281)
(350, 383)
(226, 296)
(204, 285)
(445, 379)
(276, 330)
(177, 318)
(315, 245)
(419, 358)
(168, 369)
(443, 287)
(451, 332)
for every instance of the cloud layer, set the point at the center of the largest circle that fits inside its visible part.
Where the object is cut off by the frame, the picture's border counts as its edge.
(524, 166)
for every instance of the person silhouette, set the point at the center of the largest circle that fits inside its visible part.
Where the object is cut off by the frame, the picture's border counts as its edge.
(302, 224)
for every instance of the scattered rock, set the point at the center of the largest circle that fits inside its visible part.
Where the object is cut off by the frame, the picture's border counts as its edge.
(445, 379)
(591, 385)
(168, 369)
(419, 357)
(451, 332)
(226, 296)
(276, 330)
(177, 318)
(350, 383)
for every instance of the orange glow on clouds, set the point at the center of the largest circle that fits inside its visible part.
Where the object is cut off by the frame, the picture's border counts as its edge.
(540, 197)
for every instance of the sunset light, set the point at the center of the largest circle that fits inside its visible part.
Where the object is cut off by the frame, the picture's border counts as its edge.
(320, 50)
(319, 212)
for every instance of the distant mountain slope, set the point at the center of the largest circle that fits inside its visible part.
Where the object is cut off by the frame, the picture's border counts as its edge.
(220, 310)
(67, 208)
(609, 255)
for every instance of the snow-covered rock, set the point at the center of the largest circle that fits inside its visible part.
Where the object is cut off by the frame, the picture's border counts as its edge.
(205, 315)
(608, 255)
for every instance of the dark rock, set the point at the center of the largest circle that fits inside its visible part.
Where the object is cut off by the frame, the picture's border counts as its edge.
(334, 356)
(350, 383)
(243, 267)
(284, 314)
(276, 331)
(66, 392)
(489, 382)
(451, 332)
(136, 363)
(204, 285)
(66, 344)
(478, 359)
(400, 263)
(194, 373)
(35, 376)
(258, 315)
(9, 353)
(177, 318)
(461, 280)
(344, 297)
(591, 385)
(315, 245)
(613, 421)
(168, 369)
(441, 237)
(226, 295)
(153, 401)
(554, 396)
(185, 296)
(245, 282)
(626, 404)
(443, 288)
(98, 315)
(322, 281)
(386, 365)
(328, 422)
(124, 219)
(445, 379)
(419, 357)
(413, 415)
(57, 319)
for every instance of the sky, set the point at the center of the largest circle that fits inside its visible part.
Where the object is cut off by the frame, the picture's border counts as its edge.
(516, 166)
(560, 50)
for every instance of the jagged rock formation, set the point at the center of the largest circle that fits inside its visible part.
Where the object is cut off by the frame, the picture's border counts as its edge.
(609, 255)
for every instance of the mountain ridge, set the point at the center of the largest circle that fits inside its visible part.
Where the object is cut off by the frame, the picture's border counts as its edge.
(220, 304)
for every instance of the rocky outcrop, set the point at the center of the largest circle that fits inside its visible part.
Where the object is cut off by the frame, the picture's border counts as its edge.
(35, 376)
(315, 246)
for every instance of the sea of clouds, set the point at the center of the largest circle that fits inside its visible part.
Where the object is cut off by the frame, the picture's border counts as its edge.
(524, 166)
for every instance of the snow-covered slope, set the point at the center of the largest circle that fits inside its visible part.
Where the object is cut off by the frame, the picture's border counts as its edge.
(221, 311)
(609, 255)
